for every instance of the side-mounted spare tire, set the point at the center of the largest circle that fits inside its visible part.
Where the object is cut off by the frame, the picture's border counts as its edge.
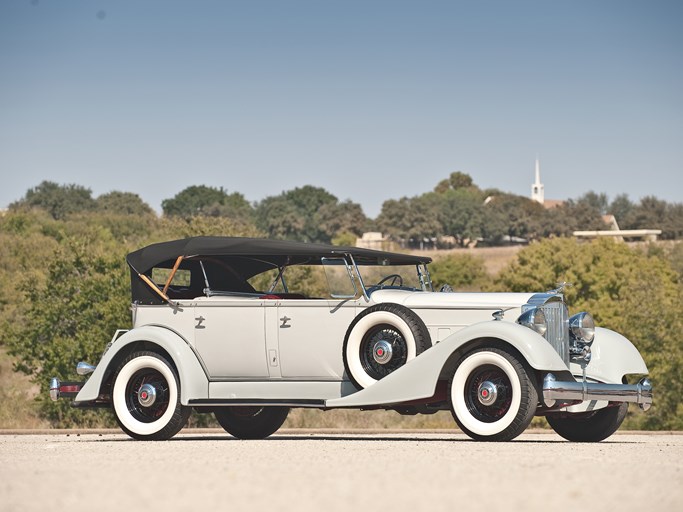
(380, 340)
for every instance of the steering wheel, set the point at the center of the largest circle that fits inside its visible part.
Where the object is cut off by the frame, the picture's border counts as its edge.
(395, 278)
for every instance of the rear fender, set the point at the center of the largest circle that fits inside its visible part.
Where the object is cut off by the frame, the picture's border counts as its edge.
(194, 383)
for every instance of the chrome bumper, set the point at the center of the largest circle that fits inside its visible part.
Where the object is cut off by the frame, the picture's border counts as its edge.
(554, 391)
(59, 389)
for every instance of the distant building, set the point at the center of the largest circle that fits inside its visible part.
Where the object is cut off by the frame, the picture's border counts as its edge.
(538, 191)
(613, 231)
(372, 240)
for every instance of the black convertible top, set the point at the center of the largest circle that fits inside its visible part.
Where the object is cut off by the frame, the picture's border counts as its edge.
(229, 262)
(273, 252)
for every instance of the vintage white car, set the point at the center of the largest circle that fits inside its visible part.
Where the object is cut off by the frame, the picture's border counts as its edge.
(224, 325)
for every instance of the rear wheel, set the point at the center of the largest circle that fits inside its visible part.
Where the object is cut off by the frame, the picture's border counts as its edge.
(492, 395)
(251, 422)
(146, 397)
(589, 427)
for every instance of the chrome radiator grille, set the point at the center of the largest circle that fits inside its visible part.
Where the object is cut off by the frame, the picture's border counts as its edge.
(557, 317)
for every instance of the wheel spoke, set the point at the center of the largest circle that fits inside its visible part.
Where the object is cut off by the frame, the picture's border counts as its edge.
(140, 412)
(377, 340)
(497, 408)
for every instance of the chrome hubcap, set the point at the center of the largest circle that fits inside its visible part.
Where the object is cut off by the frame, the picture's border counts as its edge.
(147, 395)
(487, 392)
(382, 352)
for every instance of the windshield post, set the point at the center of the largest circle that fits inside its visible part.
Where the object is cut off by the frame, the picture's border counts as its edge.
(429, 277)
(360, 278)
(424, 278)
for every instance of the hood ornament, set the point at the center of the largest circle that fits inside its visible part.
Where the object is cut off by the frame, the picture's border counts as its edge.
(560, 287)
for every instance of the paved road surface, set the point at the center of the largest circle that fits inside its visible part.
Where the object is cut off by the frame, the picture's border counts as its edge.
(339, 472)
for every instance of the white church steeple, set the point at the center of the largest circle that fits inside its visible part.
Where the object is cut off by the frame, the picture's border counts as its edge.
(537, 192)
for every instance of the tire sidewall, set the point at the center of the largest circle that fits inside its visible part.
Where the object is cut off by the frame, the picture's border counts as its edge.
(457, 393)
(357, 334)
(125, 418)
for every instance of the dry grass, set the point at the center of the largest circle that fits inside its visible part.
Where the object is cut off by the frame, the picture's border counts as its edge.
(17, 398)
(495, 258)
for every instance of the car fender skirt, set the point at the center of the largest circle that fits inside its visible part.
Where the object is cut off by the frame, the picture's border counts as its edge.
(418, 378)
(194, 383)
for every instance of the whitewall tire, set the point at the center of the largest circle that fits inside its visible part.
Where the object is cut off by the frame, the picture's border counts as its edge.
(380, 340)
(146, 397)
(492, 395)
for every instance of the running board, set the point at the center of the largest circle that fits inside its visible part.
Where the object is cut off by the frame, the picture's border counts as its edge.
(258, 402)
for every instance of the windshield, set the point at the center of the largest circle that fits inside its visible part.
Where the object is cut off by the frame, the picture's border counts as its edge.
(394, 276)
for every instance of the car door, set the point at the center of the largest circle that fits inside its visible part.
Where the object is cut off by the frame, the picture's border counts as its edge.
(230, 337)
(310, 337)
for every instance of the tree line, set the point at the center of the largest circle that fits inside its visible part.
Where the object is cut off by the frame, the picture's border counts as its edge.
(456, 212)
(65, 287)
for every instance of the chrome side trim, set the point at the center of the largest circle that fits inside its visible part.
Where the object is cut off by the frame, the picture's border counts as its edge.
(554, 390)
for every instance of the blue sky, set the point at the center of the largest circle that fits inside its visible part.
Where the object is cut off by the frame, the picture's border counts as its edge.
(371, 100)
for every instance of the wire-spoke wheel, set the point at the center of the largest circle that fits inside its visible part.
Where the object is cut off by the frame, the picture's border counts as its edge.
(383, 350)
(146, 397)
(492, 396)
(380, 340)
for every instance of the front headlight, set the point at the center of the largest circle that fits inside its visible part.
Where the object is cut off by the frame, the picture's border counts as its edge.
(582, 327)
(534, 319)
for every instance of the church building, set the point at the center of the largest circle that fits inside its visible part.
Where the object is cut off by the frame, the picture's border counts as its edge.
(537, 192)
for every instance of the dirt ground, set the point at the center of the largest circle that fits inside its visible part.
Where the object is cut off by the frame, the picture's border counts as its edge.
(335, 471)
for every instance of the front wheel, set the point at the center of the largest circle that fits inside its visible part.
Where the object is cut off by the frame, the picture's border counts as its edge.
(589, 427)
(251, 422)
(146, 397)
(492, 395)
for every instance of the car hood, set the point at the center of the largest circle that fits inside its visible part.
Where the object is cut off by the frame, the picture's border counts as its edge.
(454, 300)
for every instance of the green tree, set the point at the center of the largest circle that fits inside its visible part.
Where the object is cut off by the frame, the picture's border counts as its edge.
(653, 213)
(626, 290)
(461, 214)
(594, 201)
(200, 200)
(295, 214)
(336, 218)
(509, 215)
(462, 272)
(123, 203)
(58, 200)
(621, 207)
(69, 319)
(280, 219)
(456, 181)
(411, 219)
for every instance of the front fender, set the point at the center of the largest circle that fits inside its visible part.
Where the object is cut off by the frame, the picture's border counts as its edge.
(612, 357)
(194, 383)
(418, 378)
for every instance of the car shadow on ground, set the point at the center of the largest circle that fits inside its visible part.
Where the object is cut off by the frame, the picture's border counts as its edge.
(362, 438)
